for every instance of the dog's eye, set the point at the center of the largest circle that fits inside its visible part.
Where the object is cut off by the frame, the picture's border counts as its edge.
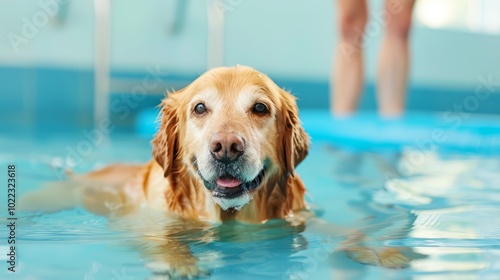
(260, 109)
(200, 109)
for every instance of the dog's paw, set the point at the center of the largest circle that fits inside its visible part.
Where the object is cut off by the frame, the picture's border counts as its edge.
(385, 257)
(176, 270)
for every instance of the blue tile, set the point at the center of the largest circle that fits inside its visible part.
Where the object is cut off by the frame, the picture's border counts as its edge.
(15, 93)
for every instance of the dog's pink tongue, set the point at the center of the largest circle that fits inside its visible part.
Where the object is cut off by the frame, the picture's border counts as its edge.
(228, 183)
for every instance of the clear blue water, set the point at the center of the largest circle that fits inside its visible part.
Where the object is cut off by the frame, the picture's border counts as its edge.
(444, 206)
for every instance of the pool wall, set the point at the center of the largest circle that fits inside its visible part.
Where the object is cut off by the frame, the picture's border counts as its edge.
(63, 96)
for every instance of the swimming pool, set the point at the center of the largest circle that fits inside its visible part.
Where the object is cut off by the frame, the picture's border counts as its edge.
(391, 179)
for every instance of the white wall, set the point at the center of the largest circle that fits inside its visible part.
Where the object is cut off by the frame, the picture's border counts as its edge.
(46, 43)
(295, 38)
(281, 37)
(141, 36)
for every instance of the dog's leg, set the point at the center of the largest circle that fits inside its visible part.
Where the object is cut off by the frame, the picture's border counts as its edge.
(163, 241)
(389, 257)
(52, 197)
(354, 243)
(170, 257)
(114, 190)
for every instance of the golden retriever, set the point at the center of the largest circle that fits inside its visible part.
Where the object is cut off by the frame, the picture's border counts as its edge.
(226, 149)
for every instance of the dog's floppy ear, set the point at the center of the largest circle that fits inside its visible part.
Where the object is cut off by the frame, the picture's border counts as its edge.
(165, 142)
(295, 139)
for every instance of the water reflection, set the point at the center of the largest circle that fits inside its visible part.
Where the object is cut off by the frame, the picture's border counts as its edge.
(451, 202)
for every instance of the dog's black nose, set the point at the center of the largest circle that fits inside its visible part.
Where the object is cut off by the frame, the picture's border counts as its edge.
(227, 147)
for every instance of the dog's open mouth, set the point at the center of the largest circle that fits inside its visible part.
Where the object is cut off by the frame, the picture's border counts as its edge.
(231, 187)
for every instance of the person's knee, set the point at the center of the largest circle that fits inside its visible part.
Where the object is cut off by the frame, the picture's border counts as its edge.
(399, 26)
(352, 25)
(398, 17)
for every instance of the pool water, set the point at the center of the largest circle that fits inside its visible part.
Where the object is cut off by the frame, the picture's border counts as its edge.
(443, 208)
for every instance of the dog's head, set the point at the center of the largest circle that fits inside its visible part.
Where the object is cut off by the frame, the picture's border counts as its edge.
(234, 128)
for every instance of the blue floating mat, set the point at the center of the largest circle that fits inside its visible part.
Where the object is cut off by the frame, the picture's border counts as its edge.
(423, 131)
(450, 131)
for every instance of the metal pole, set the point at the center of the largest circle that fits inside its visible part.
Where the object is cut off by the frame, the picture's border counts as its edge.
(102, 61)
(215, 44)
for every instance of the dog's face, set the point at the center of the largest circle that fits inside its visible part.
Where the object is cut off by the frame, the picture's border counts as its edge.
(234, 129)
